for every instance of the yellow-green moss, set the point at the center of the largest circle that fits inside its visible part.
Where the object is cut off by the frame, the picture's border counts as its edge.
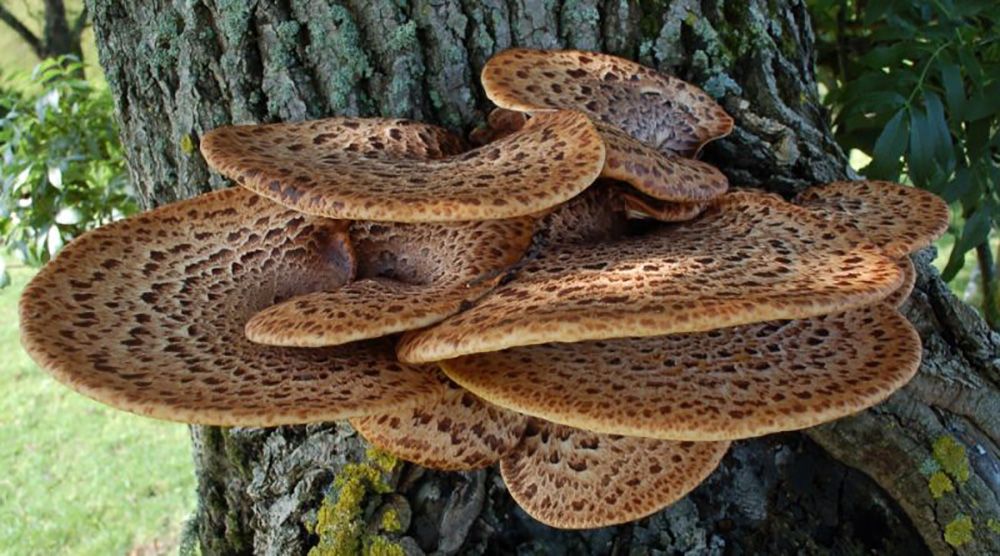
(340, 520)
(993, 525)
(940, 484)
(959, 531)
(951, 456)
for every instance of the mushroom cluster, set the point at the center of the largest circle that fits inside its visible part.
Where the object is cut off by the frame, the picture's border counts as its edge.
(577, 297)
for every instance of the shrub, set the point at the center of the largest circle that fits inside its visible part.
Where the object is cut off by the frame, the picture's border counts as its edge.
(916, 85)
(63, 170)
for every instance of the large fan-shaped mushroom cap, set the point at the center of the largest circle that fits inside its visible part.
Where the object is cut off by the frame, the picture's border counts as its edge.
(147, 314)
(456, 432)
(353, 175)
(660, 175)
(897, 218)
(576, 479)
(749, 258)
(410, 276)
(718, 385)
(661, 111)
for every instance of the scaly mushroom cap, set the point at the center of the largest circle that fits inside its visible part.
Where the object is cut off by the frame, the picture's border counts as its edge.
(749, 258)
(722, 384)
(457, 432)
(643, 206)
(410, 276)
(663, 176)
(354, 176)
(661, 111)
(897, 218)
(902, 293)
(575, 479)
(146, 314)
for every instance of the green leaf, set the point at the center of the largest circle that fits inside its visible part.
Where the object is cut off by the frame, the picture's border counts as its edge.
(889, 147)
(4, 275)
(954, 90)
(919, 160)
(975, 232)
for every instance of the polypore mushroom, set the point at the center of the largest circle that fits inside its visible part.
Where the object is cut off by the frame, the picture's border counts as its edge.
(146, 314)
(658, 110)
(598, 214)
(554, 157)
(575, 479)
(660, 175)
(722, 384)
(897, 218)
(409, 276)
(749, 258)
(456, 432)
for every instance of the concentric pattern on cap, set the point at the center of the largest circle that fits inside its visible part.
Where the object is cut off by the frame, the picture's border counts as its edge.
(457, 432)
(410, 276)
(897, 218)
(660, 175)
(749, 258)
(575, 479)
(661, 111)
(643, 206)
(147, 314)
(554, 157)
(902, 293)
(722, 384)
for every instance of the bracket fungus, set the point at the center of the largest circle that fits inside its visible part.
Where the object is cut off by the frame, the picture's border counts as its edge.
(551, 159)
(409, 276)
(605, 362)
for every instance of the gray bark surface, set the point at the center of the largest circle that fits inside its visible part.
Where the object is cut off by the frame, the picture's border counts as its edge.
(857, 486)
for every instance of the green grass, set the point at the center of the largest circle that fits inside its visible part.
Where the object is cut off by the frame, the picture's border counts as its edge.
(78, 477)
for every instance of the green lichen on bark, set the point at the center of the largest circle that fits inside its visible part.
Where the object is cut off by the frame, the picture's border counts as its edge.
(951, 456)
(958, 531)
(340, 521)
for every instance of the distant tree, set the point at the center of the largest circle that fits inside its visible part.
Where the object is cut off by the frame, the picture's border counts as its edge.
(59, 36)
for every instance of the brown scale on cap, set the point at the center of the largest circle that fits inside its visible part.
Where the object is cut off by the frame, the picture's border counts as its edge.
(342, 171)
(661, 111)
(576, 479)
(457, 432)
(749, 258)
(147, 314)
(643, 206)
(898, 297)
(663, 176)
(724, 384)
(409, 276)
(899, 219)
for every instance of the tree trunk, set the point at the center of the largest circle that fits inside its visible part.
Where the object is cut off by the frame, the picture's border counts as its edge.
(918, 474)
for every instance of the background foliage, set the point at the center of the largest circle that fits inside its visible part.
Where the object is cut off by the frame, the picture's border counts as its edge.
(63, 170)
(916, 86)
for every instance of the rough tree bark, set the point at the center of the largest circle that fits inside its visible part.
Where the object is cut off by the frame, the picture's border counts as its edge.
(917, 474)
